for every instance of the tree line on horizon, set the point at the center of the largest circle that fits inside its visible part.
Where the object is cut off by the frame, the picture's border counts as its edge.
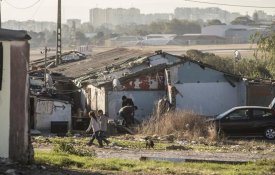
(73, 37)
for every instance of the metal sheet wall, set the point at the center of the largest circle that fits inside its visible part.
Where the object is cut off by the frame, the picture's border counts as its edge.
(260, 94)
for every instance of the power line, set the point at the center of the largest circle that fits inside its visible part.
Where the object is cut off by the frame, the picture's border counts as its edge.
(22, 8)
(38, 8)
(231, 5)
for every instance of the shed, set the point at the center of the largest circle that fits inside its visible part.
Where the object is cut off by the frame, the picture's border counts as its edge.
(14, 96)
(145, 87)
(204, 89)
(48, 111)
(147, 77)
(190, 85)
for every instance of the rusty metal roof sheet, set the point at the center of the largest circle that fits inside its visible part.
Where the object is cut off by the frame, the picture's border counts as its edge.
(95, 62)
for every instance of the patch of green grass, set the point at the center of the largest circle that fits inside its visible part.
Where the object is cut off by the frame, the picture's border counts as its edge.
(256, 146)
(70, 141)
(156, 167)
(71, 149)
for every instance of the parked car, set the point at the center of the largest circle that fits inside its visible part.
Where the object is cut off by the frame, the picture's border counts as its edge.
(247, 120)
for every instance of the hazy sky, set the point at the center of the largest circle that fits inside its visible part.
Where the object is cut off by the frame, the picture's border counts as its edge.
(46, 10)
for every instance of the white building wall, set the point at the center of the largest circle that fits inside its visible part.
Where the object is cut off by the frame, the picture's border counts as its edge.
(97, 98)
(5, 103)
(209, 98)
(60, 111)
(219, 30)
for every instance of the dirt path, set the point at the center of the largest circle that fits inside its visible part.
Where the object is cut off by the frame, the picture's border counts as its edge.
(136, 154)
(133, 154)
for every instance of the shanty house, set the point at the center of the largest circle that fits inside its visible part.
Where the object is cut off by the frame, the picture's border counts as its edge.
(204, 89)
(145, 87)
(51, 102)
(81, 72)
(14, 96)
(49, 114)
(189, 85)
(104, 78)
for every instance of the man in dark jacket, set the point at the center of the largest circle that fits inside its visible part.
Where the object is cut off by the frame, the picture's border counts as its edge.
(127, 113)
(126, 101)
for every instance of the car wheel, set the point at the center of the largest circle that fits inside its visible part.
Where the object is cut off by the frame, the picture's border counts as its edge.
(269, 133)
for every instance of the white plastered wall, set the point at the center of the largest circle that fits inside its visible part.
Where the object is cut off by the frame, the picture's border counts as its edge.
(61, 112)
(209, 98)
(97, 98)
(5, 103)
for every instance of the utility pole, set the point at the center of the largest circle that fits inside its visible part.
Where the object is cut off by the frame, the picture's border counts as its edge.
(45, 51)
(58, 35)
(0, 14)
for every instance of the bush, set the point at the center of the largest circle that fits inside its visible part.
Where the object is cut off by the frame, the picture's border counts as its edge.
(72, 149)
(250, 68)
(184, 125)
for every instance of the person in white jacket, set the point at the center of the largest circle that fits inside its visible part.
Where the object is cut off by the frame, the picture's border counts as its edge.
(95, 125)
(103, 121)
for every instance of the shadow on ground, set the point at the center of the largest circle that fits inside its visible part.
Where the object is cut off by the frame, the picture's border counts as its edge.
(17, 169)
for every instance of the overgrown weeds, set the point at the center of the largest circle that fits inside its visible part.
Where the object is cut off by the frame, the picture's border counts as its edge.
(246, 67)
(70, 148)
(181, 124)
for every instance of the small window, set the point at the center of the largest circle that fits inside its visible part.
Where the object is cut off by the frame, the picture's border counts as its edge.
(258, 113)
(239, 115)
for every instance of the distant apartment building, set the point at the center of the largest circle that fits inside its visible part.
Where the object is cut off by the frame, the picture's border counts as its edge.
(111, 17)
(30, 25)
(97, 17)
(74, 23)
(205, 14)
(149, 18)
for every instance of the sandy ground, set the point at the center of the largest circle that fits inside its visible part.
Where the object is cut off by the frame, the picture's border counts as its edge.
(174, 154)
(171, 154)
(221, 50)
(114, 151)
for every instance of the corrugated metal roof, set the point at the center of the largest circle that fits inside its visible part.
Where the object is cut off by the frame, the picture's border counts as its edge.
(99, 82)
(11, 35)
(100, 60)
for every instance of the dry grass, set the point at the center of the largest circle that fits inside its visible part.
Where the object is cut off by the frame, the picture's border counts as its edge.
(181, 124)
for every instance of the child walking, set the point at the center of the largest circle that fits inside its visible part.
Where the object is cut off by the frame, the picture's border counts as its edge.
(103, 120)
(95, 125)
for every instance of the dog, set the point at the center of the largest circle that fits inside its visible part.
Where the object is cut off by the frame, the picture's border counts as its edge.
(149, 143)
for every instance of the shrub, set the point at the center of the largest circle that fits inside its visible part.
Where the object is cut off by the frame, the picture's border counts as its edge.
(72, 149)
(250, 68)
(182, 124)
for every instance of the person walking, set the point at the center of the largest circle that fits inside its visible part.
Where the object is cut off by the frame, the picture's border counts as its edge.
(95, 126)
(103, 121)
